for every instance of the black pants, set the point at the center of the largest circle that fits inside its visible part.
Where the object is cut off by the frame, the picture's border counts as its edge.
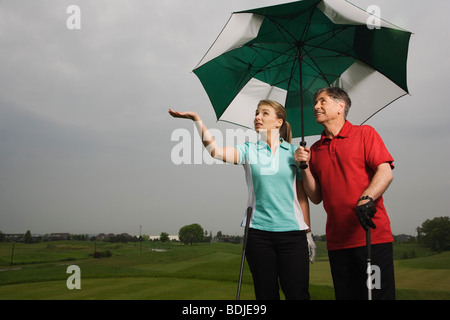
(279, 258)
(349, 271)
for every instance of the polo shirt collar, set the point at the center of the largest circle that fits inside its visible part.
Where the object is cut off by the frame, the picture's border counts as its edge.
(263, 145)
(284, 144)
(344, 133)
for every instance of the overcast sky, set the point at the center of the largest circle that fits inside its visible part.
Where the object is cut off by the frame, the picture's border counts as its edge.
(85, 137)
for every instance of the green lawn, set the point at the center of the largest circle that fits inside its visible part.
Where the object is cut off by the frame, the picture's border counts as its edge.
(199, 272)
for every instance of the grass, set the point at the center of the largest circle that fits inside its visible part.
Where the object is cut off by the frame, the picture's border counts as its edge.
(199, 272)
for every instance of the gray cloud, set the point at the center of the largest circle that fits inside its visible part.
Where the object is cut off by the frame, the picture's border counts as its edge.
(86, 138)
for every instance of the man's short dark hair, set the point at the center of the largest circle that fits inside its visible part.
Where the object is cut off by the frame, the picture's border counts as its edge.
(337, 94)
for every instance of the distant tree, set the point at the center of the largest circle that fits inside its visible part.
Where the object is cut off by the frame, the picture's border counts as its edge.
(164, 237)
(2, 236)
(435, 234)
(123, 237)
(28, 237)
(191, 233)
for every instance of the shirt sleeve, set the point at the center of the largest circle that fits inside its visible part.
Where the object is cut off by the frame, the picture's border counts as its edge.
(243, 152)
(376, 152)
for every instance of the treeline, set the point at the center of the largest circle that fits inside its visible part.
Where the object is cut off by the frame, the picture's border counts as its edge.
(29, 238)
(433, 233)
(194, 233)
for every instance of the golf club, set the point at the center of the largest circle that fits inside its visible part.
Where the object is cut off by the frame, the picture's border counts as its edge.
(247, 224)
(369, 264)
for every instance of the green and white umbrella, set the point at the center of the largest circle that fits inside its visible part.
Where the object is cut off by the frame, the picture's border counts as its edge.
(287, 52)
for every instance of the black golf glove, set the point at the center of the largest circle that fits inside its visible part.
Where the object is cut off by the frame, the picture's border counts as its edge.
(365, 213)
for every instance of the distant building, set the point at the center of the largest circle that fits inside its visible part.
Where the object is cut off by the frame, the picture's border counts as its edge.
(403, 238)
(171, 238)
(20, 237)
(101, 237)
(16, 237)
(58, 236)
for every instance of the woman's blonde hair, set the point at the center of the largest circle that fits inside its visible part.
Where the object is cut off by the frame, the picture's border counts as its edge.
(280, 111)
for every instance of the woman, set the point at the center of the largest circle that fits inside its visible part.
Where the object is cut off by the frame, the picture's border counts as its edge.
(279, 234)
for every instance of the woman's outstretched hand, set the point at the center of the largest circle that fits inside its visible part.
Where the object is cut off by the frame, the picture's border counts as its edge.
(226, 154)
(185, 115)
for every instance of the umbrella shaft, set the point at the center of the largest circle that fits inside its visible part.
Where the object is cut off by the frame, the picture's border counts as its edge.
(303, 164)
(300, 61)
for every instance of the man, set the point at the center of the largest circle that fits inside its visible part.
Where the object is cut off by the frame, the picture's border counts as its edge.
(349, 169)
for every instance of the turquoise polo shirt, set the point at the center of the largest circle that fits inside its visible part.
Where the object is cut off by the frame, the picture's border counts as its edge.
(271, 180)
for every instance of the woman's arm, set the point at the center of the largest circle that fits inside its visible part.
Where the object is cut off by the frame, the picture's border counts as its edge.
(304, 203)
(225, 154)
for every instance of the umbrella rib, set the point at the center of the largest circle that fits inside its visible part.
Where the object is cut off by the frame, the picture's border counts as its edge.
(280, 28)
(305, 30)
(332, 35)
(315, 66)
(215, 41)
(267, 65)
(291, 77)
(365, 121)
(271, 50)
(310, 61)
(301, 48)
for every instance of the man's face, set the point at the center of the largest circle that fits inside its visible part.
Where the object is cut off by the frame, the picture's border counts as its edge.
(326, 109)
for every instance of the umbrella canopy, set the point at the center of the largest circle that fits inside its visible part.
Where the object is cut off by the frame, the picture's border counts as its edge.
(287, 52)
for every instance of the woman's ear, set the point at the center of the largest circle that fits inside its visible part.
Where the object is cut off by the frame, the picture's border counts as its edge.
(280, 123)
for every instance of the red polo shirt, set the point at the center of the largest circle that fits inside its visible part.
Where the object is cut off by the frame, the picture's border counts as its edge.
(344, 166)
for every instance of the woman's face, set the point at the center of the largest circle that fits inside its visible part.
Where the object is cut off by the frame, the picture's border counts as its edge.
(266, 119)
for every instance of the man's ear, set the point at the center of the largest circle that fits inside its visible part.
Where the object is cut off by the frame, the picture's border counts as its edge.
(341, 106)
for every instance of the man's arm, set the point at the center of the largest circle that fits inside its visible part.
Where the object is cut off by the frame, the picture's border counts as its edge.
(310, 184)
(380, 183)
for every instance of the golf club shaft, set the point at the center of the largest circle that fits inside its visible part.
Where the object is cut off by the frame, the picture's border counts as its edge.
(369, 264)
(247, 225)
